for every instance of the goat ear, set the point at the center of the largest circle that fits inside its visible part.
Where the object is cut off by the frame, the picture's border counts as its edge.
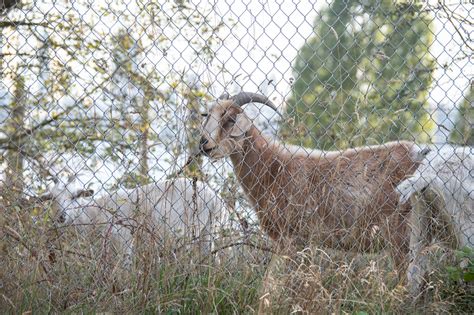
(241, 126)
(83, 193)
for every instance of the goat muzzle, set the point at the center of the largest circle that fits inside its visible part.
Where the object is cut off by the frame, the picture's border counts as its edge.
(202, 146)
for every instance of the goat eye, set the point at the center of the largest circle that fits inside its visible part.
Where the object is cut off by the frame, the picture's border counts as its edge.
(230, 122)
(204, 114)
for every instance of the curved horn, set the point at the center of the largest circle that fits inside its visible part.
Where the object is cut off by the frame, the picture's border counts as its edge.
(244, 98)
(224, 96)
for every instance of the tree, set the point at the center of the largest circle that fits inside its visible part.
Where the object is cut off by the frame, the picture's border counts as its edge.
(154, 106)
(14, 155)
(363, 77)
(34, 86)
(66, 67)
(463, 131)
(132, 93)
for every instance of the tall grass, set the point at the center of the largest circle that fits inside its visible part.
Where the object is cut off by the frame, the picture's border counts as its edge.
(49, 269)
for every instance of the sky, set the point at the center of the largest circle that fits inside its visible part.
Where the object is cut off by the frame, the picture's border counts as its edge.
(452, 83)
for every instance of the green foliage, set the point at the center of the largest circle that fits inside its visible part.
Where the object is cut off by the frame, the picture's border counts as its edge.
(363, 77)
(452, 283)
(463, 267)
(463, 131)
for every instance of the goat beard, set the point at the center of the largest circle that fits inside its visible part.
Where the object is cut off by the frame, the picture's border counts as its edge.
(235, 145)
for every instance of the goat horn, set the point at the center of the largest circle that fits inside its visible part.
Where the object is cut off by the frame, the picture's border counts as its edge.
(84, 193)
(244, 98)
(224, 96)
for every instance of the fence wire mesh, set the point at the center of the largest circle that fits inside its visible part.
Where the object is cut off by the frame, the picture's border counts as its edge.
(236, 156)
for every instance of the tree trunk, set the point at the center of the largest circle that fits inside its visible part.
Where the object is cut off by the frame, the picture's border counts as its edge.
(145, 130)
(14, 156)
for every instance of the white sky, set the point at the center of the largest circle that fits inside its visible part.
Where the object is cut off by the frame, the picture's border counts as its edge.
(264, 42)
(451, 84)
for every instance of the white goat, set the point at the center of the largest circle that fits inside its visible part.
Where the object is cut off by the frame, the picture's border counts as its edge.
(174, 210)
(441, 191)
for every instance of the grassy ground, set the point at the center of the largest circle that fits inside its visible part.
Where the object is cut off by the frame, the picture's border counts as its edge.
(44, 270)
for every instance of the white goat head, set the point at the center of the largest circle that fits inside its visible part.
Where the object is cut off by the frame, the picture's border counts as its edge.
(226, 125)
(65, 197)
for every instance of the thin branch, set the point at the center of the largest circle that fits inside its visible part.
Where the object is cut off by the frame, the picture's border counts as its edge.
(68, 109)
(30, 131)
(448, 16)
(462, 19)
(17, 54)
(256, 246)
(21, 23)
(54, 44)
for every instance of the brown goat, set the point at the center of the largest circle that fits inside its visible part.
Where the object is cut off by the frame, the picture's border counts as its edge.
(344, 200)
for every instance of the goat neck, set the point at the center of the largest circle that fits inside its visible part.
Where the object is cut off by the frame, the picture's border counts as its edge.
(253, 162)
(257, 167)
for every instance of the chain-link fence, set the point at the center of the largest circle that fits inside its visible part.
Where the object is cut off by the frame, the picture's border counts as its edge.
(236, 157)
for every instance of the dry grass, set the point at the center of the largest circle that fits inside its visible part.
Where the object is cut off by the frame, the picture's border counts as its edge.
(48, 269)
(319, 282)
(45, 269)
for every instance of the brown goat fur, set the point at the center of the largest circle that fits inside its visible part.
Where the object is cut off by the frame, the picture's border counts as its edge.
(344, 200)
